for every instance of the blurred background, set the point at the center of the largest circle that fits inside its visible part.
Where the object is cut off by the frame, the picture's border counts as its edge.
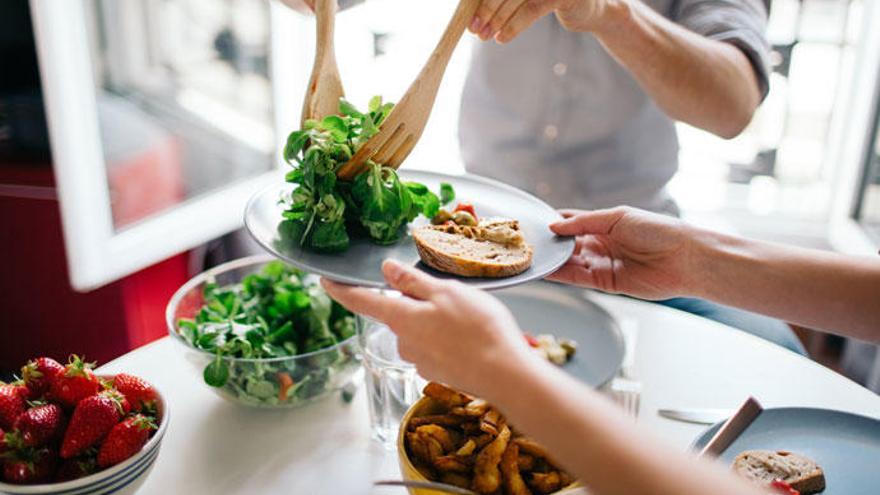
(165, 115)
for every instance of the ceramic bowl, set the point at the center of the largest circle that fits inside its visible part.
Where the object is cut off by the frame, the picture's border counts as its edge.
(426, 406)
(122, 479)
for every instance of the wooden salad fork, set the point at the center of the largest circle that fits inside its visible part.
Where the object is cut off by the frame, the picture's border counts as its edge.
(325, 85)
(406, 122)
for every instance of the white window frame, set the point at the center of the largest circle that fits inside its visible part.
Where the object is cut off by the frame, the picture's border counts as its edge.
(854, 135)
(97, 254)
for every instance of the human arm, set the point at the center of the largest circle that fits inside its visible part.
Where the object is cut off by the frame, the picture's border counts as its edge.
(623, 250)
(705, 82)
(442, 324)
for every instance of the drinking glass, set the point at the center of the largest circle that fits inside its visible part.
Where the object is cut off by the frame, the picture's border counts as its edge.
(392, 383)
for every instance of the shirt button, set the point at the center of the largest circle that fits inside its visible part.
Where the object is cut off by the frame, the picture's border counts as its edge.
(551, 132)
(560, 69)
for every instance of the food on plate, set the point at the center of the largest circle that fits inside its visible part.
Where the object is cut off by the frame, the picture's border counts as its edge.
(277, 312)
(554, 349)
(322, 212)
(63, 434)
(466, 442)
(778, 468)
(461, 243)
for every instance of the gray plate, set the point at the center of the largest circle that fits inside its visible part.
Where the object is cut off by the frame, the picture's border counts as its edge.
(846, 446)
(361, 263)
(564, 311)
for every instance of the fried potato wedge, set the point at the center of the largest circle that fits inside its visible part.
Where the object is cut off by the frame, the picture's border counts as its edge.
(487, 476)
(545, 483)
(454, 463)
(439, 434)
(446, 396)
(509, 465)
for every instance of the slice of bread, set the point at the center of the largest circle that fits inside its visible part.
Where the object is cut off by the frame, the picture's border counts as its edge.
(764, 466)
(462, 251)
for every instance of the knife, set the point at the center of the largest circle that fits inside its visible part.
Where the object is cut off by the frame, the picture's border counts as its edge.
(732, 428)
(695, 415)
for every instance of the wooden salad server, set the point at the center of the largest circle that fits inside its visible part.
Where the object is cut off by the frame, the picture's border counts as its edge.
(404, 125)
(325, 85)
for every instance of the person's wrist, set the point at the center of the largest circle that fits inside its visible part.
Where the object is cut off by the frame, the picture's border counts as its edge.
(613, 18)
(703, 254)
(507, 371)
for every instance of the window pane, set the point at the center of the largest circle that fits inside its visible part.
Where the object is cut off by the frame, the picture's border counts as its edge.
(184, 98)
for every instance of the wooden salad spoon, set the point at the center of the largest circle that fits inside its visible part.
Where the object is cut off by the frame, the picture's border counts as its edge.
(406, 122)
(325, 85)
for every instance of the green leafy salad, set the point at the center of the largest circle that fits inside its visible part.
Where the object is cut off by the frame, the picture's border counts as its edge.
(277, 312)
(322, 213)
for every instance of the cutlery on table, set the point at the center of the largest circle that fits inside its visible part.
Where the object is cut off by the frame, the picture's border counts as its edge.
(404, 125)
(700, 416)
(325, 85)
(430, 485)
(732, 428)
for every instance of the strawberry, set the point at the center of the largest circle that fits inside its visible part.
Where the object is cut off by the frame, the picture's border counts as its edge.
(3, 446)
(38, 375)
(40, 425)
(75, 384)
(139, 393)
(78, 467)
(13, 402)
(30, 466)
(125, 440)
(92, 419)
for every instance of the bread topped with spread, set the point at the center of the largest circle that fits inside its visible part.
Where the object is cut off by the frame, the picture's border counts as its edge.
(767, 466)
(493, 248)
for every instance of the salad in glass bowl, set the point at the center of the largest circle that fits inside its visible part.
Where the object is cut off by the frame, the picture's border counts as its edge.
(265, 333)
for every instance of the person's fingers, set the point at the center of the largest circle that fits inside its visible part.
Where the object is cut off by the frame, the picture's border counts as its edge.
(367, 302)
(526, 15)
(502, 17)
(576, 273)
(570, 212)
(409, 280)
(598, 222)
(485, 12)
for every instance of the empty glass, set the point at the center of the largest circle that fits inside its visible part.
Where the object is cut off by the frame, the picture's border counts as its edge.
(392, 383)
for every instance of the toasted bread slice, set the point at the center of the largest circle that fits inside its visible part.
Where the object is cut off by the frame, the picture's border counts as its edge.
(764, 466)
(474, 251)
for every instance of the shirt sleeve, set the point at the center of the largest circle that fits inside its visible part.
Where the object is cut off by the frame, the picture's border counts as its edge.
(741, 23)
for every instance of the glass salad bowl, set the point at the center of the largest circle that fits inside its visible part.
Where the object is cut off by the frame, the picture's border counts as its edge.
(264, 334)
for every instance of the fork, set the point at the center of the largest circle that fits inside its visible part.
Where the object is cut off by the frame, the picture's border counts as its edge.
(404, 125)
(325, 85)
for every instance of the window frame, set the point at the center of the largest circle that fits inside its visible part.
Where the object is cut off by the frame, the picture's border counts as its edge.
(97, 253)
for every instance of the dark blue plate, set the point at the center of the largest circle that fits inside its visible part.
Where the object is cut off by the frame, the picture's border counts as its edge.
(361, 264)
(846, 446)
(564, 311)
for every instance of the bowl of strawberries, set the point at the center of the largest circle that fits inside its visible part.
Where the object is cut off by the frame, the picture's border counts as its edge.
(66, 430)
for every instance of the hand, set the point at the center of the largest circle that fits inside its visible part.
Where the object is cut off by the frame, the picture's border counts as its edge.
(453, 333)
(506, 19)
(629, 251)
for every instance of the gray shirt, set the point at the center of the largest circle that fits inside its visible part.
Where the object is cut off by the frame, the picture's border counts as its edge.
(554, 114)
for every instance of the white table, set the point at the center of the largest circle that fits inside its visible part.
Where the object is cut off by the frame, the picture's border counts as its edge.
(214, 446)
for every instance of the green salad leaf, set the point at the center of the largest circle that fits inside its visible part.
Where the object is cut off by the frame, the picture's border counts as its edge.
(275, 313)
(322, 212)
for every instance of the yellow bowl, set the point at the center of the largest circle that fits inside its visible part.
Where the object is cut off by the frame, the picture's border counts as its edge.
(424, 407)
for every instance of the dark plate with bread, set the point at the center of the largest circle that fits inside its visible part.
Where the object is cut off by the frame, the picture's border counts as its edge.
(814, 450)
(474, 261)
